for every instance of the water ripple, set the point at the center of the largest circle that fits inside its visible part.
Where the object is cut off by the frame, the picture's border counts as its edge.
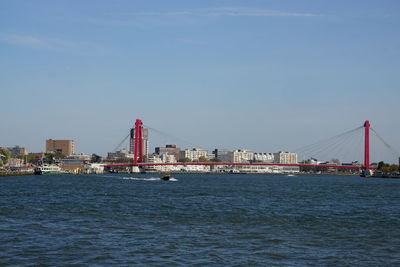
(224, 220)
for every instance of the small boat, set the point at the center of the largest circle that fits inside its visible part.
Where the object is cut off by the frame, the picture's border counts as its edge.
(165, 176)
(47, 169)
(366, 173)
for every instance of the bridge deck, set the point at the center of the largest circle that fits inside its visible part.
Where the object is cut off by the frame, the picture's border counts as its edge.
(233, 164)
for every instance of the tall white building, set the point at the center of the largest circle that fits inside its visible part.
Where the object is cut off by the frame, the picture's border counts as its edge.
(240, 156)
(193, 154)
(285, 158)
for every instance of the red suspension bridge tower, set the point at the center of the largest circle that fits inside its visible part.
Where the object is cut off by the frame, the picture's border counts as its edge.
(367, 125)
(138, 145)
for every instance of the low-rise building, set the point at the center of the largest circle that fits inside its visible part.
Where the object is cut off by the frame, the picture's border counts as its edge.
(170, 149)
(80, 156)
(194, 168)
(222, 154)
(264, 157)
(193, 154)
(159, 159)
(15, 163)
(166, 158)
(97, 168)
(122, 154)
(154, 158)
(72, 165)
(17, 150)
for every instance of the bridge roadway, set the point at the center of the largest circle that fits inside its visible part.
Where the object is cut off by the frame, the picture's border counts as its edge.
(234, 164)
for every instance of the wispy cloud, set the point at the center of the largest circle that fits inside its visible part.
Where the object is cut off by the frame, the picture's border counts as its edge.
(232, 12)
(52, 44)
(177, 17)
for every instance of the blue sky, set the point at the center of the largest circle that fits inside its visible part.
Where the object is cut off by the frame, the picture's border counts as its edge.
(262, 75)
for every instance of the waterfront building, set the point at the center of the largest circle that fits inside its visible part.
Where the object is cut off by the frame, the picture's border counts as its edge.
(121, 154)
(264, 157)
(194, 168)
(211, 157)
(313, 161)
(285, 158)
(81, 156)
(354, 163)
(154, 158)
(170, 149)
(15, 163)
(74, 163)
(71, 164)
(97, 168)
(240, 156)
(66, 147)
(17, 150)
(164, 158)
(222, 154)
(145, 138)
(193, 154)
(167, 158)
(251, 169)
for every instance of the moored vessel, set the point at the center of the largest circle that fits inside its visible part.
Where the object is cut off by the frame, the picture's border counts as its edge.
(367, 173)
(47, 169)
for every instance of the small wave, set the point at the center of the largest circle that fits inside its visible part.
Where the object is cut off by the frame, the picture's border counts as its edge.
(141, 179)
(147, 179)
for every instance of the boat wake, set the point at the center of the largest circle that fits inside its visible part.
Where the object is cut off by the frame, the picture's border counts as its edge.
(148, 179)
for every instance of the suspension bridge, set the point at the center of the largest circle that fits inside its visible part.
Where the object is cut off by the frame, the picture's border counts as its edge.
(326, 145)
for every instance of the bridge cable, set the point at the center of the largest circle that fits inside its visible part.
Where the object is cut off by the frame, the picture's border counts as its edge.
(173, 137)
(394, 152)
(120, 144)
(323, 145)
(339, 149)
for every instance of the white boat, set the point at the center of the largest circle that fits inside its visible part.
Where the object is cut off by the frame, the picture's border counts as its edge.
(47, 169)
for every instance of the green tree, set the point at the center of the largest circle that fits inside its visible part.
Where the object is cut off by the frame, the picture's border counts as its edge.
(381, 165)
(4, 156)
(393, 168)
(49, 158)
(184, 160)
(203, 159)
(215, 160)
(59, 155)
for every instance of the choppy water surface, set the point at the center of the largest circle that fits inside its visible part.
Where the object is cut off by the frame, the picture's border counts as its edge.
(223, 220)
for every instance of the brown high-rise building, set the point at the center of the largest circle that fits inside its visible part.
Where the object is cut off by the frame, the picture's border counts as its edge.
(66, 147)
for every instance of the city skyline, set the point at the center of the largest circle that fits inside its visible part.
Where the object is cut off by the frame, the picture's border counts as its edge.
(294, 72)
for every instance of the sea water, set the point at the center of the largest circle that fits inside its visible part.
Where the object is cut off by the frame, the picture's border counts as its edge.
(199, 220)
